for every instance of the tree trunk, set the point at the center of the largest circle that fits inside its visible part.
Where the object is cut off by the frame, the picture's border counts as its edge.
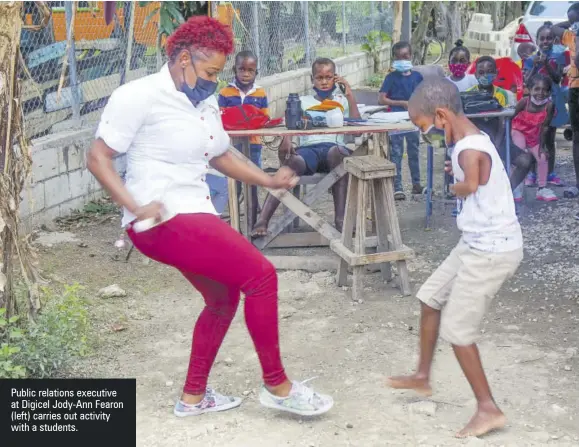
(419, 34)
(497, 16)
(453, 27)
(15, 165)
(512, 11)
(397, 29)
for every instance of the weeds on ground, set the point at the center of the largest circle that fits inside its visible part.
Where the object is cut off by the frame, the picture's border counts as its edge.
(47, 347)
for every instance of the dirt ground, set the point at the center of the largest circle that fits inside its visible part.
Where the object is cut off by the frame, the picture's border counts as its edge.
(529, 345)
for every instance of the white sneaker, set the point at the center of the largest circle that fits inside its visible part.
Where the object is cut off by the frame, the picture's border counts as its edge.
(212, 402)
(546, 195)
(301, 400)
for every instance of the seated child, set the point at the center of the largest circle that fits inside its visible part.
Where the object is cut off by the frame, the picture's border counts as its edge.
(486, 72)
(456, 297)
(458, 63)
(530, 129)
(395, 92)
(244, 90)
(317, 153)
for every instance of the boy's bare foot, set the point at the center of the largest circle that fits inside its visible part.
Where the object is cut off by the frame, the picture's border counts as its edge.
(259, 229)
(483, 422)
(413, 382)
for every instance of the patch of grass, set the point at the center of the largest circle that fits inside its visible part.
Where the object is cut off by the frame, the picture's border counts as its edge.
(46, 347)
(101, 206)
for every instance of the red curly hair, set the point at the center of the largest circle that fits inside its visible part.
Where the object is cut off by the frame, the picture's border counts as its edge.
(200, 32)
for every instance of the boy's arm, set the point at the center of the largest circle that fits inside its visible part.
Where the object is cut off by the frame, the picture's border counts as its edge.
(385, 91)
(545, 127)
(470, 161)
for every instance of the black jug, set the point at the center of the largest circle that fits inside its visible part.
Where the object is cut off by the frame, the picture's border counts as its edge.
(293, 111)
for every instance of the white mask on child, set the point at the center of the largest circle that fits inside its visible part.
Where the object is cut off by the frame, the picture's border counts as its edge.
(539, 103)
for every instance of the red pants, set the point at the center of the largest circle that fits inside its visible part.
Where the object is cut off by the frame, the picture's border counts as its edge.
(220, 263)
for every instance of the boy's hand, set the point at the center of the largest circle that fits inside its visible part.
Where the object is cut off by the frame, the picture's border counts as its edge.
(284, 152)
(341, 80)
(448, 168)
(284, 178)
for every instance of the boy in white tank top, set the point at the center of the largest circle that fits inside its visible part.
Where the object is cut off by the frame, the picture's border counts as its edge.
(457, 295)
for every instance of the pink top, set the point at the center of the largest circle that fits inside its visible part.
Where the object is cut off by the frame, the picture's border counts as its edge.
(529, 124)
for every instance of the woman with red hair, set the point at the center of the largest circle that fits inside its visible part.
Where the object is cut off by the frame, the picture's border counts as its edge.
(168, 125)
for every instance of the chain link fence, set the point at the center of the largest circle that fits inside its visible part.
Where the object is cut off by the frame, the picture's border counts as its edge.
(67, 80)
(290, 35)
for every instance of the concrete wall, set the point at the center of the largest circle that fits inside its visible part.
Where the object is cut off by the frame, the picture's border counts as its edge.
(61, 183)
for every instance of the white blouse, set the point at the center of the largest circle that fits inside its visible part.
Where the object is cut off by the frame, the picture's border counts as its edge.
(168, 143)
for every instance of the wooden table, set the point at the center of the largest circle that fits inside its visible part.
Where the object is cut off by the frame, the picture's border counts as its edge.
(378, 135)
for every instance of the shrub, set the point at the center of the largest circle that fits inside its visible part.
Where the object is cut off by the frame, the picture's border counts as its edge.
(10, 334)
(373, 43)
(46, 348)
(376, 80)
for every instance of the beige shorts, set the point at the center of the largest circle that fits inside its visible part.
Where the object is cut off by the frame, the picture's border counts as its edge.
(463, 287)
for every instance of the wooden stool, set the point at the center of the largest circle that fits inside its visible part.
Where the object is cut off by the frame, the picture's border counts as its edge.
(374, 175)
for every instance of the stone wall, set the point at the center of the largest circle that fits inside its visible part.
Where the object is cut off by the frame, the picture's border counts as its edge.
(61, 183)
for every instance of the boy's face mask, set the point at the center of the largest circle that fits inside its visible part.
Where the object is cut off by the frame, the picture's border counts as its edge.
(402, 65)
(324, 94)
(486, 79)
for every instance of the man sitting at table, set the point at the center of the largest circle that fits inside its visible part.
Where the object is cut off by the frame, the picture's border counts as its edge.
(317, 153)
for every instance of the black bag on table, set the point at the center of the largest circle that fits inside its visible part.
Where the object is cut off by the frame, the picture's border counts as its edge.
(479, 102)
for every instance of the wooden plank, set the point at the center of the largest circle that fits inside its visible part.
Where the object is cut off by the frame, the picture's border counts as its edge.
(348, 229)
(32, 89)
(382, 229)
(38, 122)
(387, 190)
(91, 90)
(312, 264)
(99, 44)
(384, 143)
(295, 205)
(248, 227)
(233, 204)
(278, 225)
(311, 179)
(369, 167)
(360, 238)
(346, 130)
(309, 239)
(367, 259)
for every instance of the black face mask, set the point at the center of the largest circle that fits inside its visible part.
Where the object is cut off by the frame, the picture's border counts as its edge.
(202, 90)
